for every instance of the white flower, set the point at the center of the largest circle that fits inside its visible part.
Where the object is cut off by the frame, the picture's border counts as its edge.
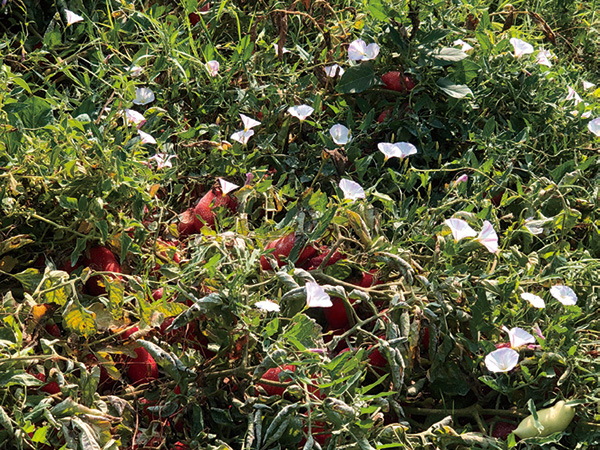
(397, 150)
(242, 136)
(333, 71)
(587, 85)
(226, 186)
(488, 237)
(72, 17)
(351, 189)
(301, 112)
(162, 160)
(460, 229)
(267, 305)
(594, 126)
(572, 95)
(340, 134)
(543, 57)
(146, 138)
(249, 122)
(135, 71)
(316, 297)
(134, 117)
(358, 50)
(521, 47)
(564, 294)
(502, 360)
(143, 96)
(463, 45)
(519, 337)
(535, 227)
(283, 50)
(536, 301)
(213, 67)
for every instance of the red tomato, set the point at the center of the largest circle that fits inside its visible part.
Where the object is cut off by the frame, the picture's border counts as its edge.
(211, 200)
(384, 115)
(503, 429)
(100, 259)
(273, 375)
(398, 81)
(142, 368)
(283, 246)
(187, 223)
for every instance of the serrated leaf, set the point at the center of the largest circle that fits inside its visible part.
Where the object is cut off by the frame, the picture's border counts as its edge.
(14, 243)
(357, 79)
(29, 278)
(168, 361)
(454, 90)
(80, 320)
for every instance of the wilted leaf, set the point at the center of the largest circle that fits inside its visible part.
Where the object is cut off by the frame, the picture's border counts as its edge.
(80, 320)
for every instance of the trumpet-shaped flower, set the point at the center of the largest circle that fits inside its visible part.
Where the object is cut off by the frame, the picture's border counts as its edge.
(536, 301)
(543, 57)
(333, 71)
(564, 294)
(162, 160)
(572, 95)
(502, 360)
(226, 186)
(594, 126)
(249, 122)
(351, 189)
(213, 67)
(488, 237)
(146, 138)
(587, 85)
(72, 17)
(242, 136)
(462, 179)
(397, 150)
(519, 337)
(135, 71)
(283, 49)
(358, 50)
(463, 45)
(301, 112)
(521, 47)
(316, 297)
(534, 226)
(143, 96)
(340, 134)
(134, 117)
(460, 229)
(267, 305)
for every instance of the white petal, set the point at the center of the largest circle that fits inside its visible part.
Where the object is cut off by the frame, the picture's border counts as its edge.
(333, 71)
(143, 96)
(371, 52)
(162, 160)
(357, 50)
(249, 122)
(534, 226)
(242, 136)
(316, 297)
(594, 126)
(340, 134)
(72, 17)
(536, 301)
(543, 57)
(134, 117)
(488, 237)
(135, 71)
(463, 45)
(406, 149)
(572, 95)
(267, 305)
(460, 229)
(213, 67)
(564, 294)
(519, 337)
(587, 85)
(301, 111)
(389, 150)
(502, 360)
(283, 50)
(521, 47)
(146, 138)
(226, 186)
(351, 189)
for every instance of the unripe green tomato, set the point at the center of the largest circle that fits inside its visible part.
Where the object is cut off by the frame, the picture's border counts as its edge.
(554, 419)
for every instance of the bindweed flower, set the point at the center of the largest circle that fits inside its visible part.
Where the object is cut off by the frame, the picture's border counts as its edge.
(146, 138)
(267, 305)
(572, 95)
(340, 134)
(212, 67)
(543, 57)
(316, 297)
(351, 189)
(397, 150)
(587, 85)
(462, 179)
(134, 117)
(283, 50)
(249, 122)
(333, 71)
(301, 112)
(242, 136)
(502, 360)
(594, 126)
(521, 47)
(519, 337)
(564, 294)
(358, 50)
(162, 160)
(72, 17)
(249, 178)
(538, 331)
(536, 301)
(463, 45)
(534, 226)
(135, 71)
(143, 96)
(226, 186)
(460, 229)
(488, 237)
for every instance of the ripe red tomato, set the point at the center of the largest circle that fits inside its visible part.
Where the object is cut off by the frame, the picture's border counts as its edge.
(282, 248)
(100, 259)
(273, 375)
(398, 81)
(384, 115)
(187, 223)
(210, 201)
(503, 429)
(142, 368)
(50, 388)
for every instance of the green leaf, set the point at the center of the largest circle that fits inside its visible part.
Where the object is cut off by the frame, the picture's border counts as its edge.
(448, 55)
(29, 278)
(454, 90)
(378, 10)
(18, 378)
(357, 79)
(80, 320)
(37, 114)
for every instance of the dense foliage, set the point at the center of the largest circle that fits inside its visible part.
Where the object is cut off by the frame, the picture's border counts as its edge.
(144, 305)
